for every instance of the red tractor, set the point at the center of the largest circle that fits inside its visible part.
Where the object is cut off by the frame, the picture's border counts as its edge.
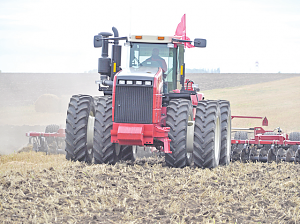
(148, 102)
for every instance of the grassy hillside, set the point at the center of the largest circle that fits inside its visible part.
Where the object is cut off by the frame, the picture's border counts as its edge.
(279, 101)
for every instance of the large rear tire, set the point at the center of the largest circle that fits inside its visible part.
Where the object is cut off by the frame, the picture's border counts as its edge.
(207, 135)
(225, 132)
(80, 118)
(178, 115)
(104, 150)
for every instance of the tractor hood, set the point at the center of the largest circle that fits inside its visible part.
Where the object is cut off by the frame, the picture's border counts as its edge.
(142, 73)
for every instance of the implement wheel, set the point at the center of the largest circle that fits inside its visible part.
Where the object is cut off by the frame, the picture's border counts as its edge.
(237, 149)
(104, 150)
(207, 135)
(225, 132)
(52, 142)
(52, 128)
(178, 116)
(294, 136)
(79, 128)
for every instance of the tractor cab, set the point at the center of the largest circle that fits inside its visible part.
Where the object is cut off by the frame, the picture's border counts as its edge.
(143, 52)
(158, 52)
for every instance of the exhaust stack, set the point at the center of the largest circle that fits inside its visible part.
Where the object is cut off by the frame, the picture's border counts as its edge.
(108, 67)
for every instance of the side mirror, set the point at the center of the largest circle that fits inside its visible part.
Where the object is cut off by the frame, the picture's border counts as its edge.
(200, 42)
(97, 41)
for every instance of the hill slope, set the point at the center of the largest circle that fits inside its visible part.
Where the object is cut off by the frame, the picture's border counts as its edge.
(278, 100)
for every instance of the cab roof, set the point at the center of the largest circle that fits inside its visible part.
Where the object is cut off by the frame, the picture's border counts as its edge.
(152, 38)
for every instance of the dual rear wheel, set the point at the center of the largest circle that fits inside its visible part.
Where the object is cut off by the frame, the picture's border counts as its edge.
(211, 135)
(88, 126)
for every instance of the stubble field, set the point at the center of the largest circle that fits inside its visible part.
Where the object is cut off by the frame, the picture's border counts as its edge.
(35, 188)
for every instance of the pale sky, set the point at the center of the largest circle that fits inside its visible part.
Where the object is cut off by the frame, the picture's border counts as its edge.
(57, 35)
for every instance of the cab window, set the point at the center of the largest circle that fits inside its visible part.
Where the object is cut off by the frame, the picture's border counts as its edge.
(142, 53)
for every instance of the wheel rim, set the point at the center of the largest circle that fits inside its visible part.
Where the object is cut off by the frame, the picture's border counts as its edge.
(228, 152)
(117, 149)
(189, 156)
(217, 140)
(134, 152)
(90, 132)
(190, 137)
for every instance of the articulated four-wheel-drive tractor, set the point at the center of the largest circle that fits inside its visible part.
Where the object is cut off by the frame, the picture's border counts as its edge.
(147, 102)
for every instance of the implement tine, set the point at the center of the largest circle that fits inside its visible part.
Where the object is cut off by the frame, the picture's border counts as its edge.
(289, 155)
(272, 154)
(297, 155)
(245, 154)
(280, 155)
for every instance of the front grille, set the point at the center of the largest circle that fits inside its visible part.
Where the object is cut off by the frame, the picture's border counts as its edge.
(133, 104)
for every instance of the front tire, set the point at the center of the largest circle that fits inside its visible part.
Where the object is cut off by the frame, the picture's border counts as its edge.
(104, 150)
(207, 135)
(80, 117)
(178, 113)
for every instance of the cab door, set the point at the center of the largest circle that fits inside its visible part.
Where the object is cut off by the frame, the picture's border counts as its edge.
(180, 62)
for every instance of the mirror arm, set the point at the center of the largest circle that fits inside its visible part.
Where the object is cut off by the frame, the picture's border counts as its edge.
(181, 41)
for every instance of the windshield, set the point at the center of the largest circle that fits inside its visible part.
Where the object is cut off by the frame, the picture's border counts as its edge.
(151, 55)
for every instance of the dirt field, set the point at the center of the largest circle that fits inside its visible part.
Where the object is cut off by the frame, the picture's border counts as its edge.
(35, 188)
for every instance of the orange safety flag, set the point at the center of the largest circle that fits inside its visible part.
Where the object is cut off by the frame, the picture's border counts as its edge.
(181, 31)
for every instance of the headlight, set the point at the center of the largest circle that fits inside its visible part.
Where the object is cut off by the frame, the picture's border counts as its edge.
(121, 81)
(148, 83)
(129, 82)
(138, 82)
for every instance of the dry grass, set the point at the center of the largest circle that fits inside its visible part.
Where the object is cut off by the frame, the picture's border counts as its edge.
(22, 162)
(278, 100)
(39, 189)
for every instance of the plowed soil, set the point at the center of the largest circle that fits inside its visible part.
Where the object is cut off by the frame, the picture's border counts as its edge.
(35, 188)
